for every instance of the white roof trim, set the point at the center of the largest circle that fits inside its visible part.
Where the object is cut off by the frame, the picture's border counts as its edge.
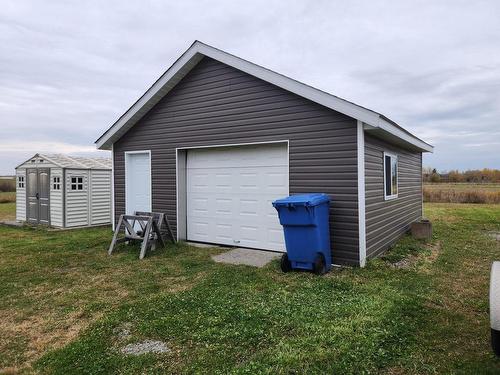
(196, 52)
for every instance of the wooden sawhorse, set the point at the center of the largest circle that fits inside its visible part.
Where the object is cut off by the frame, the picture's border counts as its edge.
(149, 233)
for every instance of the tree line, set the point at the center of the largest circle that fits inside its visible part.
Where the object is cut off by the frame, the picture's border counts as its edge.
(477, 176)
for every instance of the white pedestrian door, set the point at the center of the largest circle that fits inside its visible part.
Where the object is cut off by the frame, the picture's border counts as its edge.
(137, 182)
(230, 192)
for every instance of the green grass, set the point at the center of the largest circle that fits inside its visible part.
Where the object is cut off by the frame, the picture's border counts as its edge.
(64, 301)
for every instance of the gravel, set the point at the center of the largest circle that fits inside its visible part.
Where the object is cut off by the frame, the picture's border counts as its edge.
(494, 235)
(144, 347)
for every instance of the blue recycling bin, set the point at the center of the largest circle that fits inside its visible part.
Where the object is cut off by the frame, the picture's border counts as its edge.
(305, 221)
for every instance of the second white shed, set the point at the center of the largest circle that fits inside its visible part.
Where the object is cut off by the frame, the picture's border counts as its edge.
(63, 191)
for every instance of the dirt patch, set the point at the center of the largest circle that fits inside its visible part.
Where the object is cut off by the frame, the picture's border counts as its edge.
(9, 371)
(144, 347)
(426, 258)
(494, 235)
(123, 332)
(435, 249)
(43, 332)
(405, 263)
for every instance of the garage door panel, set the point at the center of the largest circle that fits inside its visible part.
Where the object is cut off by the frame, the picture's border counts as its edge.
(230, 192)
(276, 180)
(275, 237)
(235, 157)
(199, 229)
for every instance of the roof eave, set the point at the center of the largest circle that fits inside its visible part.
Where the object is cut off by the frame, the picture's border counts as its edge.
(394, 134)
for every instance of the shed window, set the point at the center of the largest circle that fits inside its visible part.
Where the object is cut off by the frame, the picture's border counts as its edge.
(390, 176)
(76, 183)
(56, 183)
(20, 181)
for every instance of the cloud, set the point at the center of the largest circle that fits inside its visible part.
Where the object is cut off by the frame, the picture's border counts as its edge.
(68, 70)
(46, 147)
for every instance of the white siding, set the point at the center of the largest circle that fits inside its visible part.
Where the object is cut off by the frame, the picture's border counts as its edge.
(21, 197)
(100, 197)
(56, 201)
(77, 201)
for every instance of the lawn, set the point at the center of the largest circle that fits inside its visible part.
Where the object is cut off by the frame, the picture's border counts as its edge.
(423, 308)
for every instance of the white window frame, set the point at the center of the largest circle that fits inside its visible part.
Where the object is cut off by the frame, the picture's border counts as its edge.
(392, 156)
(56, 182)
(20, 182)
(76, 184)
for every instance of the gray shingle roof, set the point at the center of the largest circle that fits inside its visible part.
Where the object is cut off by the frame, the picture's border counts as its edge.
(76, 162)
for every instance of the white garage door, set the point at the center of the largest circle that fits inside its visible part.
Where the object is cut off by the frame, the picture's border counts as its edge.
(138, 182)
(229, 195)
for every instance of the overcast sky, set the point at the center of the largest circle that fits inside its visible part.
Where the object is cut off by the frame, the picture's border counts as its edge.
(68, 69)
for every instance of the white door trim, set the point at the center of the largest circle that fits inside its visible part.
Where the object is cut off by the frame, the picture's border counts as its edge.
(126, 154)
(113, 187)
(181, 222)
(361, 193)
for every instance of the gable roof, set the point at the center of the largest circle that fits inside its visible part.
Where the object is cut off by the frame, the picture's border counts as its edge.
(74, 162)
(373, 121)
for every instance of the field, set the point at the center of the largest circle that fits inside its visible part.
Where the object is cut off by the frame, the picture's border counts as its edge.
(7, 196)
(7, 183)
(69, 308)
(462, 193)
(7, 189)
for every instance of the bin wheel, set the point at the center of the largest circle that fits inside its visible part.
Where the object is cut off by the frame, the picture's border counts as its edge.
(319, 265)
(286, 266)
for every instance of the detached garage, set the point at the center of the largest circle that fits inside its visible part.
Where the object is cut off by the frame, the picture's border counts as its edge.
(217, 138)
(63, 191)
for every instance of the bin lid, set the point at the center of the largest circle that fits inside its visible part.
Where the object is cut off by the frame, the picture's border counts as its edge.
(310, 199)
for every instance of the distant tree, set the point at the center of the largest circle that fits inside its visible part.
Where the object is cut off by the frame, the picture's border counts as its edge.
(455, 176)
(426, 174)
(435, 177)
(476, 176)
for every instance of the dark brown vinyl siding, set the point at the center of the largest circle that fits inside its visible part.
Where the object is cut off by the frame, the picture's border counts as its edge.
(215, 105)
(387, 220)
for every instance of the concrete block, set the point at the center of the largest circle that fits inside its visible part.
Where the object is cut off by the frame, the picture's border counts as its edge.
(422, 229)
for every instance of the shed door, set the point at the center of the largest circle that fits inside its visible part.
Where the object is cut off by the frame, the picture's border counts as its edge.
(138, 182)
(32, 196)
(230, 192)
(37, 197)
(43, 196)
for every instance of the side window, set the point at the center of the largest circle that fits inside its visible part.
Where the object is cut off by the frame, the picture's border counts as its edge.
(76, 183)
(20, 182)
(56, 183)
(390, 176)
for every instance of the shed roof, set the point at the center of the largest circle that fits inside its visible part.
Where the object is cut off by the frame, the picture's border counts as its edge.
(373, 121)
(75, 162)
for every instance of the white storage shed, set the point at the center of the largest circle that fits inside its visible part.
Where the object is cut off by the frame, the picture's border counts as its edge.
(63, 191)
